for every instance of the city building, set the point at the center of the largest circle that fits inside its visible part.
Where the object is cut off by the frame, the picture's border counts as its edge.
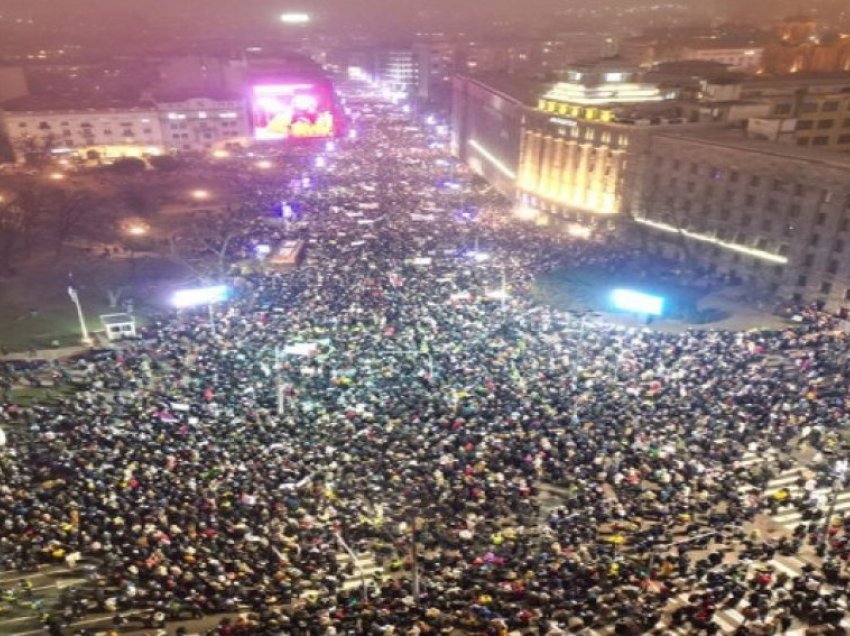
(777, 217)
(13, 83)
(398, 72)
(37, 129)
(803, 46)
(609, 147)
(202, 123)
(487, 124)
(581, 146)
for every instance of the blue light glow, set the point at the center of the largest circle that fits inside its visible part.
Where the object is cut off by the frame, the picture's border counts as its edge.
(630, 300)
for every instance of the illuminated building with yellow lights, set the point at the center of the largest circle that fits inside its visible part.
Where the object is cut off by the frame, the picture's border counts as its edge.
(776, 216)
(579, 147)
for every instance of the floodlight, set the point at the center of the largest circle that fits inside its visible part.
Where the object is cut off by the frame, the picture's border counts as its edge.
(634, 301)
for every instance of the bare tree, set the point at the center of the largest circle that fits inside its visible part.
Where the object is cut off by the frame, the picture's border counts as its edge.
(12, 232)
(208, 244)
(74, 215)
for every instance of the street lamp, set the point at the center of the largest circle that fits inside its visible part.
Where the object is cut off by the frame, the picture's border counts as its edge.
(200, 194)
(56, 176)
(220, 154)
(295, 18)
(75, 298)
(264, 164)
(186, 298)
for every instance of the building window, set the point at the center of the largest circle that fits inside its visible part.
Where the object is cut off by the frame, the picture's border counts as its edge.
(750, 200)
(801, 281)
(809, 108)
(814, 239)
(847, 295)
(820, 219)
(755, 181)
(733, 176)
(829, 107)
(823, 124)
(832, 268)
(838, 247)
(809, 260)
(746, 219)
(805, 124)
(825, 287)
(846, 123)
(766, 225)
(844, 139)
(782, 109)
(804, 141)
(820, 141)
(844, 225)
(794, 211)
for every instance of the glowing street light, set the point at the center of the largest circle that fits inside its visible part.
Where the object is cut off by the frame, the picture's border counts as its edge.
(220, 154)
(187, 298)
(320, 162)
(56, 176)
(200, 194)
(264, 164)
(295, 18)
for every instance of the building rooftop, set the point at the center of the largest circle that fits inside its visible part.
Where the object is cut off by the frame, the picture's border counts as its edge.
(56, 103)
(521, 89)
(736, 138)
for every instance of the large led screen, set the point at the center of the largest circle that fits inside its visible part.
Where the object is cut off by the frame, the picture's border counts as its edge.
(281, 111)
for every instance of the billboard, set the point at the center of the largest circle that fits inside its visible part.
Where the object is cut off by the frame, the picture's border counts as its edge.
(283, 111)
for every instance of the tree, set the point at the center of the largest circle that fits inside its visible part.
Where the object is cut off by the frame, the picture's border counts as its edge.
(12, 232)
(129, 165)
(208, 246)
(139, 199)
(165, 163)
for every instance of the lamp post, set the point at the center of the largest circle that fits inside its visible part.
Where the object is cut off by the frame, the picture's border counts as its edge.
(75, 298)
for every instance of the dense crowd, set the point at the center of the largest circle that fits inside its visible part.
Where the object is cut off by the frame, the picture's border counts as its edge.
(212, 468)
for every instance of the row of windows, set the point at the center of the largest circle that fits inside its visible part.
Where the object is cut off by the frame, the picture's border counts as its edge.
(831, 106)
(825, 286)
(823, 140)
(821, 124)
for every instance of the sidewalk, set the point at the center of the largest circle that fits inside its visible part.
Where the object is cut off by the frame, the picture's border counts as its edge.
(57, 353)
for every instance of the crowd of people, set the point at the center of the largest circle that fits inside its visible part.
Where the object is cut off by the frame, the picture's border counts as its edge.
(403, 394)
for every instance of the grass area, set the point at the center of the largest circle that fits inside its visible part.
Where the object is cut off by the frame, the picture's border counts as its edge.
(36, 311)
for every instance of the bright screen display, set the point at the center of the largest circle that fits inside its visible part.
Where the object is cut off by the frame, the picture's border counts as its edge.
(281, 111)
(630, 300)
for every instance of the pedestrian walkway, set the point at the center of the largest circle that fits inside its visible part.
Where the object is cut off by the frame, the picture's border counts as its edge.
(792, 513)
(366, 568)
(755, 458)
(730, 619)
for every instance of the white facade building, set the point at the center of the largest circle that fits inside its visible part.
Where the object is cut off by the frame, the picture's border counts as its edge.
(743, 59)
(107, 132)
(195, 124)
(202, 123)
